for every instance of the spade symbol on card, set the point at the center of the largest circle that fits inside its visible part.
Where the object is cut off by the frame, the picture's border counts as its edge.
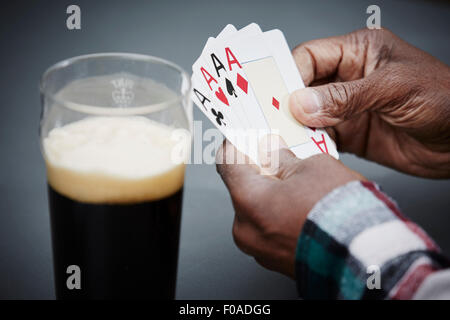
(219, 117)
(221, 96)
(230, 88)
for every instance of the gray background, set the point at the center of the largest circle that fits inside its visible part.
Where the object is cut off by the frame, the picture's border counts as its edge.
(34, 36)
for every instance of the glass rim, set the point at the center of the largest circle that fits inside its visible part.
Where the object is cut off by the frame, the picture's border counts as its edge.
(97, 110)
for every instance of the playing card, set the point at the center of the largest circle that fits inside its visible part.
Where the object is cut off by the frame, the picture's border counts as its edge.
(252, 111)
(320, 140)
(237, 77)
(242, 81)
(219, 117)
(217, 48)
(204, 95)
(202, 74)
(213, 71)
(272, 74)
(208, 108)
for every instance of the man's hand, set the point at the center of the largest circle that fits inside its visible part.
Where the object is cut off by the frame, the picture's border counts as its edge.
(271, 209)
(384, 100)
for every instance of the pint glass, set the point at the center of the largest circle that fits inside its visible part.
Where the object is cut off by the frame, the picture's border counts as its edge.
(115, 136)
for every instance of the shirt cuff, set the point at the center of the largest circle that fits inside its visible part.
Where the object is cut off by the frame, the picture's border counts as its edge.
(351, 233)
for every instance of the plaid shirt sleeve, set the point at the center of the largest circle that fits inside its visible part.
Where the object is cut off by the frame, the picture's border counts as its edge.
(355, 234)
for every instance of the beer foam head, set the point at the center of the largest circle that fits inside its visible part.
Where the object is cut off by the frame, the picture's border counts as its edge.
(113, 159)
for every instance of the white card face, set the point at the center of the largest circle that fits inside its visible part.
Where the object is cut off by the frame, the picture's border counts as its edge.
(221, 116)
(217, 69)
(320, 141)
(206, 105)
(229, 32)
(250, 146)
(226, 32)
(250, 30)
(277, 44)
(203, 74)
(271, 96)
(267, 87)
(215, 114)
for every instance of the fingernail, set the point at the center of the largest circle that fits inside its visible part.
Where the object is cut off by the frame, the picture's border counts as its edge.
(307, 99)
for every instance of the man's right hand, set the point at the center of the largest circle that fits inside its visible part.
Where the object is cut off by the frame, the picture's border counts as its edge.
(381, 98)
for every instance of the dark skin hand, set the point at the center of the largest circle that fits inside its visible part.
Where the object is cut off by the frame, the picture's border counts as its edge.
(271, 209)
(380, 98)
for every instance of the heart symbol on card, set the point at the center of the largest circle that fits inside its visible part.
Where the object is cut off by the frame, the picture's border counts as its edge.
(221, 96)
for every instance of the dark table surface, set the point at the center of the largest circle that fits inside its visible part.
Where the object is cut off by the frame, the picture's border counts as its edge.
(34, 36)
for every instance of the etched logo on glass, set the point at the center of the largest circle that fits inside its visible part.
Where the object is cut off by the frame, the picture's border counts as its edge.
(123, 94)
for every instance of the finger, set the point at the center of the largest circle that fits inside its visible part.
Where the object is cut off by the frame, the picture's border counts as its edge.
(349, 62)
(348, 57)
(274, 155)
(319, 59)
(235, 168)
(330, 104)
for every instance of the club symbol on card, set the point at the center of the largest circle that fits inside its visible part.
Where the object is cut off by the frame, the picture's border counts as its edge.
(276, 103)
(242, 83)
(219, 117)
(221, 96)
(230, 88)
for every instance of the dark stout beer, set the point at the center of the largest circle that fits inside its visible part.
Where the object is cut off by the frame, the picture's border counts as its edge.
(115, 207)
(123, 250)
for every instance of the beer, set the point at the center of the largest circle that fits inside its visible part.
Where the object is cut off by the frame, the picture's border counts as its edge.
(115, 134)
(115, 197)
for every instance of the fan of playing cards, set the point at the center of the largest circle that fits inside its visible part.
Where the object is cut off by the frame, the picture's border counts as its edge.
(242, 81)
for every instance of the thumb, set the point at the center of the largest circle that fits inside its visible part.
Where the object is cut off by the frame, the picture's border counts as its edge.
(274, 155)
(330, 104)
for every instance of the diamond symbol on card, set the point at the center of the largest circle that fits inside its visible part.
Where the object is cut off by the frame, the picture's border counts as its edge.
(276, 103)
(242, 83)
